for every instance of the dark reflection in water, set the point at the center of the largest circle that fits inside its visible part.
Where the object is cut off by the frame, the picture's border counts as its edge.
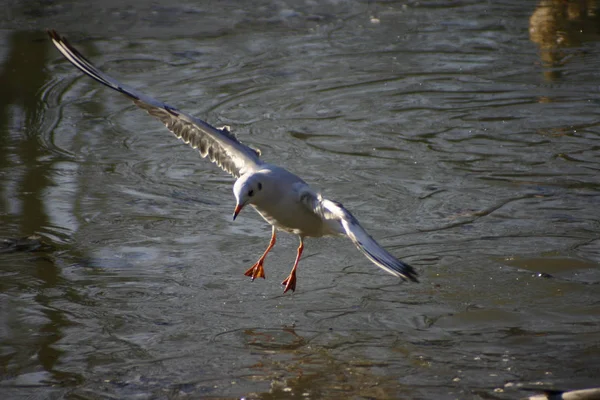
(434, 122)
(22, 76)
(32, 282)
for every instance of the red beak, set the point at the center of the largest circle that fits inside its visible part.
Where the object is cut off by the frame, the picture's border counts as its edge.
(237, 210)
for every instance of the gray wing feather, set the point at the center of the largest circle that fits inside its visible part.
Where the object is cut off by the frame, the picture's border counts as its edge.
(219, 145)
(334, 211)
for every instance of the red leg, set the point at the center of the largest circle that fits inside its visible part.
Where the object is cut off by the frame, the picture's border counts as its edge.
(257, 270)
(290, 281)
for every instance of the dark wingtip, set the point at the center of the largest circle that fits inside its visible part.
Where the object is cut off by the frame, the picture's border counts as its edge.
(53, 35)
(405, 271)
(410, 273)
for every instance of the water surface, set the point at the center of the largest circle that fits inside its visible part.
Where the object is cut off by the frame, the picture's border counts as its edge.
(464, 136)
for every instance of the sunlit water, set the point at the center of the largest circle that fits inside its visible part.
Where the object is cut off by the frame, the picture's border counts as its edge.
(464, 137)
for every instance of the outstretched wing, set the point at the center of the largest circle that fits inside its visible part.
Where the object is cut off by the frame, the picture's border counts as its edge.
(220, 145)
(334, 212)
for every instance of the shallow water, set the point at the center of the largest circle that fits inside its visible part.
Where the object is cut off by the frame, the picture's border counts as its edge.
(464, 136)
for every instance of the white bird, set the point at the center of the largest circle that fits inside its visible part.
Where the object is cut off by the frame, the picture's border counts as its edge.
(283, 199)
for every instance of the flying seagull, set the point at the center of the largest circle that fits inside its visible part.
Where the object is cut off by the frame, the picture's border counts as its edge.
(283, 199)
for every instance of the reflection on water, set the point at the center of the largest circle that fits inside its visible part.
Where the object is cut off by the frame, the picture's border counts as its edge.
(435, 124)
(31, 323)
(557, 26)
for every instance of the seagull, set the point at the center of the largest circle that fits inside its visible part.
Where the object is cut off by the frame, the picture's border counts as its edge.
(283, 199)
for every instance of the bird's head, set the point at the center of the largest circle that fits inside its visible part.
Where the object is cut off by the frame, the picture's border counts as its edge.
(247, 190)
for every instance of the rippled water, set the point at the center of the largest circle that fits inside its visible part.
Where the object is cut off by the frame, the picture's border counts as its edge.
(464, 136)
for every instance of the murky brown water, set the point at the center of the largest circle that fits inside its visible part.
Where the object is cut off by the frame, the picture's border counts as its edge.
(465, 136)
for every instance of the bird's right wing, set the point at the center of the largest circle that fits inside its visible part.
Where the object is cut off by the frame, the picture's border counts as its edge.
(220, 145)
(334, 212)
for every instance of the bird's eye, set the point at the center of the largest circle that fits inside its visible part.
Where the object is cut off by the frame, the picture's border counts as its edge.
(251, 193)
(259, 186)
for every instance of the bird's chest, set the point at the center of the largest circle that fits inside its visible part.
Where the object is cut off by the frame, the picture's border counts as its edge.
(292, 217)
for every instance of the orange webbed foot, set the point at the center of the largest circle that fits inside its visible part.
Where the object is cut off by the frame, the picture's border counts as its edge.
(290, 282)
(256, 271)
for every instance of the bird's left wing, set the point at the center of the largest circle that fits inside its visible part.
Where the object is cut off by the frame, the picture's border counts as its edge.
(220, 145)
(334, 212)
